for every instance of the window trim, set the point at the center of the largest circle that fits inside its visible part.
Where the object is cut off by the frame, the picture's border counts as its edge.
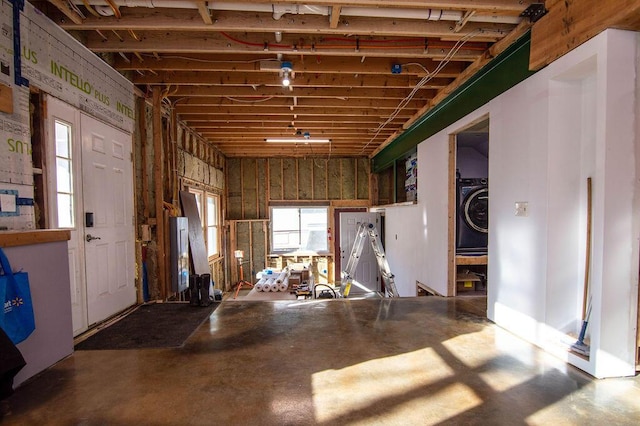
(202, 211)
(72, 173)
(274, 252)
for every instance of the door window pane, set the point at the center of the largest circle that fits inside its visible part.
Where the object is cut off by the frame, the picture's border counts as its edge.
(64, 175)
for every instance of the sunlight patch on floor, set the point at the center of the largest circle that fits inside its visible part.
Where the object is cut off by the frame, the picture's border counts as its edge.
(433, 409)
(337, 393)
(471, 348)
(589, 401)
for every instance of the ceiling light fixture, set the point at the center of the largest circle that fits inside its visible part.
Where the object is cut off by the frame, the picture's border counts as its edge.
(297, 140)
(286, 70)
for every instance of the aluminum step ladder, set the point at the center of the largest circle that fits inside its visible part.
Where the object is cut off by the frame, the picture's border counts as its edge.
(367, 231)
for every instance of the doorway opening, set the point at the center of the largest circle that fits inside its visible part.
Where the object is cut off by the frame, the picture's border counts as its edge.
(469, 209)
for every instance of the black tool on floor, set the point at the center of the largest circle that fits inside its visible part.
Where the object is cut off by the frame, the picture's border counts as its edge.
(194, 291)
(205, 280)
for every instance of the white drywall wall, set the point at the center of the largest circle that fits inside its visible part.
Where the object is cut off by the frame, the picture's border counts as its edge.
(574, 119)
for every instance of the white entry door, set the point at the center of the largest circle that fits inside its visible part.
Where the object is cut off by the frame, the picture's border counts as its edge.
(90, 170)
(367, 274)
(107, 192)
(65, 195)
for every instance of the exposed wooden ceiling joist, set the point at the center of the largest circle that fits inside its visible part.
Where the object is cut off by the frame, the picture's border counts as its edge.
(362, 70)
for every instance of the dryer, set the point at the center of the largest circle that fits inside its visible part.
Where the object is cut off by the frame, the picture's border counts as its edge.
(472, 227)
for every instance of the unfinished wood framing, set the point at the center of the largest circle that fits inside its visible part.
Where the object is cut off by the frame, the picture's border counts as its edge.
(570, 23)
(334, 184)
(158, 180)
(451, 216)
(253, 183)
(6, 99)
(289, 179)
(173, 163)
(250, 236)
(305, 179)
(276, 182)
(320, 186)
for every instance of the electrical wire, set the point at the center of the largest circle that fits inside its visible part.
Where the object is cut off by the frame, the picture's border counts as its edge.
(353, 44)
(335, 296)
(115, 8)
(424, 80)
(90, 8)
(75, 8)
(249, 102)
(208, 61)
(247, 43)
(417, 64)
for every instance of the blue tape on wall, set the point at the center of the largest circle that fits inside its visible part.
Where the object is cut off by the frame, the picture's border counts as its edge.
(18, 6)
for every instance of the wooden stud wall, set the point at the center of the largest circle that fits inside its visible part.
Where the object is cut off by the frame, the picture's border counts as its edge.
(253, 183)
(320, 187)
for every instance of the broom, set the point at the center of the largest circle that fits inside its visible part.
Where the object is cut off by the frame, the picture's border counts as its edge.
(579, 346)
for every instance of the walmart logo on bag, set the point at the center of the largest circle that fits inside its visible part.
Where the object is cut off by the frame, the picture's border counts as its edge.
(13, 303)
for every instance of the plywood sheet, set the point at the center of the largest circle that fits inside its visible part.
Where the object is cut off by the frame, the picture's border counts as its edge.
(196, 235)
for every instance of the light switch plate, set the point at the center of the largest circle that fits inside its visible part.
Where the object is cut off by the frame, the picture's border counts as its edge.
(522, 208)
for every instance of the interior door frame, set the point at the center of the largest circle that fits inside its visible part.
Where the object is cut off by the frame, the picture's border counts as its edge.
(337, 270)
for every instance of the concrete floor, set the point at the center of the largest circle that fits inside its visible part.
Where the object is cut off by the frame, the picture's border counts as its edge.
(413, 361)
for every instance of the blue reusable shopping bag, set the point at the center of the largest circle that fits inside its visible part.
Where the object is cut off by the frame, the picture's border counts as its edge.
(16, 316)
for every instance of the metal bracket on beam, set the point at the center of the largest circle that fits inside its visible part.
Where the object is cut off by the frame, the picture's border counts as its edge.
(534, 12)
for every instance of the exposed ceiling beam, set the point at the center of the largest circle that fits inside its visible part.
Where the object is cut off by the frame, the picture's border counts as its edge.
(179, 43)
(465, 19)
(278, 123)
(206, 103)
(300, 80)
(338, 93)
(64, 7)
(319, 64)
(194, 119)
(492, 52)
(301, 112)
(495, 6)
(335, 16)
(184, 20)
(570, 23)
(203, 9)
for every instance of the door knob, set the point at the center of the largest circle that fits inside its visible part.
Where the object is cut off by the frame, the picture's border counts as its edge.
(90, 238)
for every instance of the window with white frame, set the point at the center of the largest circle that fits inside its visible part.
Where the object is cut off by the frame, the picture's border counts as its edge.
(209, 209)
(299, 229)
(64, 175)
(213, 225)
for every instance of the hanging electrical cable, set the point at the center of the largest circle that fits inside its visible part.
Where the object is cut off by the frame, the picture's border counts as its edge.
(424, 80)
